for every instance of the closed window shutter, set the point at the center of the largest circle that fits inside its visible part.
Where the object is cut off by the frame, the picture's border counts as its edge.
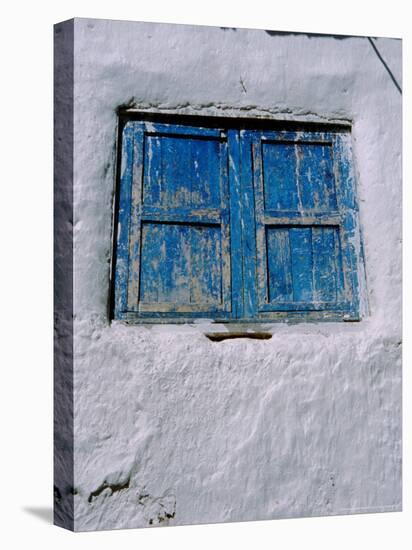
(179, 241)
(301, 209)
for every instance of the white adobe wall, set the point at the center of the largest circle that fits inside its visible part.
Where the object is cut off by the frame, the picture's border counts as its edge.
(171, 428)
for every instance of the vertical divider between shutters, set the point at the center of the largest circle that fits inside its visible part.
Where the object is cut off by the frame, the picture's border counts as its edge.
(262, 283)
(225, 228)
(122, 247)
(235, 224)
(135, 218)
(248, 226)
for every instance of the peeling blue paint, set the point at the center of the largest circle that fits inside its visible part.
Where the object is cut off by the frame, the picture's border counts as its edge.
(235, 225)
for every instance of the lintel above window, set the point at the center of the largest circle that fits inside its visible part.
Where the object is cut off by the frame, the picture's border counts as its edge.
(234, 224)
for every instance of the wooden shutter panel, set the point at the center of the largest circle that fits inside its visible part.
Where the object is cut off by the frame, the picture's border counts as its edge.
(179, 249)
(304, 257)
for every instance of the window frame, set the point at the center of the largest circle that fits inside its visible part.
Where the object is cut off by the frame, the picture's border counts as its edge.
(240, 140)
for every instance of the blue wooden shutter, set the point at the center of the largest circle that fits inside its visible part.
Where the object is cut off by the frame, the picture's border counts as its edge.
(305, 222)
(173, 245)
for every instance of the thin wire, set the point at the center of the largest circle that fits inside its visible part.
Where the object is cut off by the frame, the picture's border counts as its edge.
(385, 65)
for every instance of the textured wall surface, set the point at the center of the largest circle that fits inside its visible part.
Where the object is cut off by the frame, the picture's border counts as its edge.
(171, 428)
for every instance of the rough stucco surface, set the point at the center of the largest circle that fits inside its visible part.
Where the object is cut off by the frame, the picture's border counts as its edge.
(171, 428)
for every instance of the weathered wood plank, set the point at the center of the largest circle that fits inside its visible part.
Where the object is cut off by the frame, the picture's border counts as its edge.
(181, 171)
(152, 171)
(180, 129)
(176, 171)
(248, 228)
(206, 271)
(347, 203)
(182, 215)
(301, 136)
(261, 248)
(204, 171)
(280, 287)
(122, 245)
(297, 218)
(324, 264)
(316, 178)
(215, 315)
(305, 306)
(156, 309)
(302, 263)
(226, 285)
(181, 268)
(152, 256)
(135, 219)
(340, 281)
(280, 181)
(235, 224)
(175, 273)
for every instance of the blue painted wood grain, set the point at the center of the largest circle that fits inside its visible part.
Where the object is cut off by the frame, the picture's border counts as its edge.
(298, 176)
(181, 171)
(173, 269)
(133, 281)
(302, 263)
(122, 244)
(185, 168)
(315, 176)
(162, 128)
(279, 265)
(261, 244)
(348, 206)
(235, 224)
(325, 264)
(247, 217)
(279, 172)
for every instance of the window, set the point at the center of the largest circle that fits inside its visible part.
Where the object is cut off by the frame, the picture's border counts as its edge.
(234, 224)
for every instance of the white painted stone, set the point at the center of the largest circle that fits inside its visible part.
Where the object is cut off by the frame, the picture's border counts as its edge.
(307, 423)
